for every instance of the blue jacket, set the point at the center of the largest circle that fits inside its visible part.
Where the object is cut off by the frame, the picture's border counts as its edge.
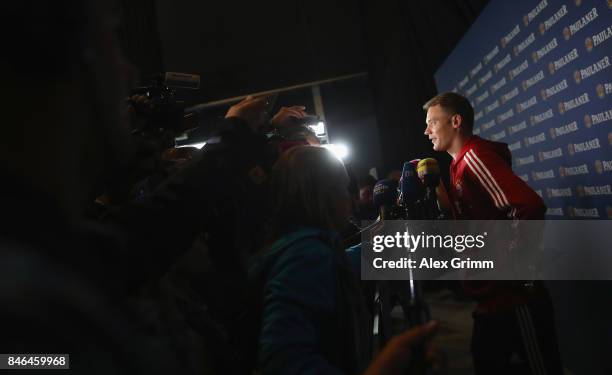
(309, 304)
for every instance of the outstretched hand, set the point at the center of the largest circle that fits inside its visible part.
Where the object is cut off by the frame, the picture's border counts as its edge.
(251, 110)
(396, 356)
(286, 115)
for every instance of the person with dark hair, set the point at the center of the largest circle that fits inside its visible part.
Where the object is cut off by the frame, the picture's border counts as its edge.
(62, 277)
(69, 284)
(313, 317)
(513, 323)
(365, 207)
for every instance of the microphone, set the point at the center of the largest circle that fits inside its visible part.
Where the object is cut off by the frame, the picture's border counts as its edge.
(385, 198)
(411, 190)
(429, 172)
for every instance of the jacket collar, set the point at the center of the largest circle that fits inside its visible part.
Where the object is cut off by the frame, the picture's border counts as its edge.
(465, 148)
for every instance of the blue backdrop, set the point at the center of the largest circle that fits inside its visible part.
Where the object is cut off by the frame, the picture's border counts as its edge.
(539, 75)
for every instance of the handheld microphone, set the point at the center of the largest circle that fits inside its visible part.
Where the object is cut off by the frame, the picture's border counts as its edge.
(411, 190)
(384, 198)
(429, 173)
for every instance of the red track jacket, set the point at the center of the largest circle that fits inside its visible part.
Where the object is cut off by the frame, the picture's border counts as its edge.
(484, 187)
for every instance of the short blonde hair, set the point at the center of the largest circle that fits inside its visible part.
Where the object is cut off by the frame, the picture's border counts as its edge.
(455, 104)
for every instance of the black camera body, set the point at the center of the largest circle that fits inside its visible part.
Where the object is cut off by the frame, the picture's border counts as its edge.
(163, 111)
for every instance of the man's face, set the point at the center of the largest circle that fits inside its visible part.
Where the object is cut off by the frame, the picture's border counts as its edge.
(365, 194)
(440, 129)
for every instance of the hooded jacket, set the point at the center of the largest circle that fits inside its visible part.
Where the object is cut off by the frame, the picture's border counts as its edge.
(484, 187)
(313, 316)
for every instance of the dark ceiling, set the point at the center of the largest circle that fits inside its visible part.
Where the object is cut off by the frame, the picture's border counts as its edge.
(250, 46)
(245, 47)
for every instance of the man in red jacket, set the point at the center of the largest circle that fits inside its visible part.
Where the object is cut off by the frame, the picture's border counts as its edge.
(513, 324)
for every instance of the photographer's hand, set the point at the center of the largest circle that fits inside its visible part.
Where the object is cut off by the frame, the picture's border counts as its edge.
(396, 356)
(251, 110)
(286, 114)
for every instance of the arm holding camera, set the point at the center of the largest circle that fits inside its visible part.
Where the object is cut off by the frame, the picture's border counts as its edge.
(286, 115)
(221, 185)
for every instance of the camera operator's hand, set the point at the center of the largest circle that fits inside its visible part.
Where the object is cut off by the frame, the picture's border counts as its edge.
(137, 111)
(286, 114)
(396, 356)
(251, 110)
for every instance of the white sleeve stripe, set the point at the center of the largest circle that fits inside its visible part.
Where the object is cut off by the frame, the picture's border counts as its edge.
(485, 180)
(499, 190)
(486, 186)
(512, 213)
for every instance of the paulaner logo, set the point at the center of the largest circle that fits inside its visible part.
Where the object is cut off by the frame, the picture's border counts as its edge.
(534, 12)
(471, 90)
(587, 191)
(542, 175)
(598, 38)
(593, 144)
(602, 166)
(552, 154)
(529, 141)
(583, 212)
(537, 55)
(598, 118)
(565, 129)
(476, 69)
(505, 40)
(574, 103)
(513, 73)
(503, 62)
(603, 89)
(550, 22)
(489, 56)
(582, 22)
(560, 63)
(558, 193)
(536, 119)
(554, 211)
(591, 70)
(555, 89)
(573, 171)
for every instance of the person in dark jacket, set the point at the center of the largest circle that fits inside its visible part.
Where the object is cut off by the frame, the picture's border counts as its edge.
(314, 319)
(68, 282)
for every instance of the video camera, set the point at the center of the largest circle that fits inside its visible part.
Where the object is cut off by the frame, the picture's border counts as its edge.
(162, 110)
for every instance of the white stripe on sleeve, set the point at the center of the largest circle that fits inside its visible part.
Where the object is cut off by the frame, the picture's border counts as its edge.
(486, 170)
(483, 183)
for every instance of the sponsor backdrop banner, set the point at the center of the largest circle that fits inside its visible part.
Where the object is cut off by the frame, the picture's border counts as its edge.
(539, 75)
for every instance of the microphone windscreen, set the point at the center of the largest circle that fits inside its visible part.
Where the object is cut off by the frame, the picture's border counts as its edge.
(410, 185)
(429, 172)
(385, 193)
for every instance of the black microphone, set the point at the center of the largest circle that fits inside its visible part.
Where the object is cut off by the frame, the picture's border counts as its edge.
(385, 198)
(411, 191)
(429, 172)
